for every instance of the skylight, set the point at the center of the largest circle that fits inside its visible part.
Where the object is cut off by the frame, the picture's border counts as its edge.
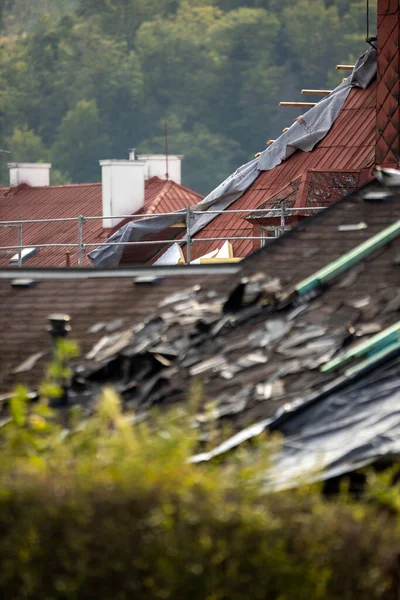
(26, 254)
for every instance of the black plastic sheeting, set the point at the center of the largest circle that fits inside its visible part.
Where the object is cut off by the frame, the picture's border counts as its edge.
(349, 429)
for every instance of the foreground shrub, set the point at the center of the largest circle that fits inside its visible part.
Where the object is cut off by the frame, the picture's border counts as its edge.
(108, 510)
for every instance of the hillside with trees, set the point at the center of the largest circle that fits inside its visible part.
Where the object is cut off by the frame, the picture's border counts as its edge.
(84, 80)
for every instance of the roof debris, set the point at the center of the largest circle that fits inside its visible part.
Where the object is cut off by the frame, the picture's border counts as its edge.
(271, 341)
(29, 363)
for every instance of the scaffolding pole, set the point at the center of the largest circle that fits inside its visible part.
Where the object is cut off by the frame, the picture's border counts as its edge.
(188, 235)
(279, 212)
(282, 218)
(81, 247)
(20, 242)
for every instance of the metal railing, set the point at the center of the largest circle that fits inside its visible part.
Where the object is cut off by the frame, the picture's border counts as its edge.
(187, 217)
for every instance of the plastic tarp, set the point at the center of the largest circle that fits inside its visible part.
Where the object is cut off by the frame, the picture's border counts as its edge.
(342, 432)
(303, 135)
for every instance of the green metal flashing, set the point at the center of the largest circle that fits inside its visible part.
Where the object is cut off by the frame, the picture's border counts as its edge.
(349, 259)
(371, 360)
(379, 342)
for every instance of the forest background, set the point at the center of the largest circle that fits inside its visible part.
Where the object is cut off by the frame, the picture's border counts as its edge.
(84, 80)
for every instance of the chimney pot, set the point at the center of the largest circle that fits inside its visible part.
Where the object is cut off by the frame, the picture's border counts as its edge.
(59, 326)
(156, 166)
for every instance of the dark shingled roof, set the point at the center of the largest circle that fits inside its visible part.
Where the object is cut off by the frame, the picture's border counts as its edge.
(89, 297)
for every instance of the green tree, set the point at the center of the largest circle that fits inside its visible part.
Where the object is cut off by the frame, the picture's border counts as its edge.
(25, 146)
(179, 64)
(121, 18)
(93, 66)
(208, 157)
(248, 74)
(312, 56)
(80, 142)
(219, 66)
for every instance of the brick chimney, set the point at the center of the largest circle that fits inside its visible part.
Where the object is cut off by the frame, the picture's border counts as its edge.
(387, 149)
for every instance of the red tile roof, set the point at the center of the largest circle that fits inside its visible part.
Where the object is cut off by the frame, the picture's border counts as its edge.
(68, 201)
(162, 197)
(314, 189)
(348, 147)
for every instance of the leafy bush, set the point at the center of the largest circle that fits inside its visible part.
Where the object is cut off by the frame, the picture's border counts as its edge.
(108, 509)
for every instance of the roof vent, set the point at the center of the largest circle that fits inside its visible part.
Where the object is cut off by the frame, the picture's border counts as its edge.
(26, 254)
(24, 283)
(147, 280)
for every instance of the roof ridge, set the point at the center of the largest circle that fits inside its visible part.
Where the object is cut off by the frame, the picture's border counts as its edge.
(153, 177)
(187, 189)
(46, 187)
(159, 197)
(179, 185)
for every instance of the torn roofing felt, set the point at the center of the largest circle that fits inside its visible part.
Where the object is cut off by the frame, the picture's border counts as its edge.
(266, 352)
(303, 135)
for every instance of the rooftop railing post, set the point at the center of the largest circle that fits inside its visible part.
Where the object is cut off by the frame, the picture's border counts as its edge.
(81, 247)
(188, 235)
(18, 249)
(282, 218)
(20, 242)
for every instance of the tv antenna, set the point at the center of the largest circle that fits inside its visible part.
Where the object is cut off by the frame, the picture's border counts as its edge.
(166, 149)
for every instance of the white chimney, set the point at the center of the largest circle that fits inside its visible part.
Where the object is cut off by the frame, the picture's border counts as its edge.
(34, 174)
(156, 165)
(122, 189)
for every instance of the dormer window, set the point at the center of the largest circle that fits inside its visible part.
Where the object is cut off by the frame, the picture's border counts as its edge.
(268, 232)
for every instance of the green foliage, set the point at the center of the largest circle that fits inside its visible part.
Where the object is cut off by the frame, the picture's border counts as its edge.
(216, 69)
(80, 130)
(25, 146)
(200, 148)
(110, 508)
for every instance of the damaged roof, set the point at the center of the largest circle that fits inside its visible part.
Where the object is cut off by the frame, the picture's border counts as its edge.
(98, 302)
(340, 163)
(325, 154)
(271, 337)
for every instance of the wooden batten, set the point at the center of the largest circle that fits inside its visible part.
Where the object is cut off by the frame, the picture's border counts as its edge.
(344, 67)
(316, 92)
(302, 104)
